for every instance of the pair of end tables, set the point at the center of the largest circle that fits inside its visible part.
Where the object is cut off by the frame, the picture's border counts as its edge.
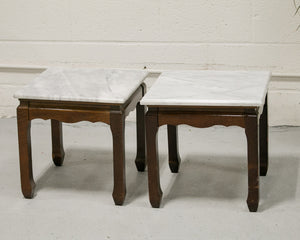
(197, 98)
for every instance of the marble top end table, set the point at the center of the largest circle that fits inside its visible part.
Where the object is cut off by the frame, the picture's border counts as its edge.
(203, 99)
(73, 95)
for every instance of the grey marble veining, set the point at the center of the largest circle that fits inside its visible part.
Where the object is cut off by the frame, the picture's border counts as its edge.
(209, 88)
(84, 85)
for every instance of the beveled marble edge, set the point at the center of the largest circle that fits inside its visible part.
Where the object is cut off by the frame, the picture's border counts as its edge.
(108, 101)
(155, 102)
(208, 103)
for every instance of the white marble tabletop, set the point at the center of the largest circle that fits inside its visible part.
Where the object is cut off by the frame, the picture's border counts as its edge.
(84, 85)
(209, 88)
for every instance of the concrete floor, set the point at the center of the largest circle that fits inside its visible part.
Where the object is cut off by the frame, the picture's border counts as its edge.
(205, 200)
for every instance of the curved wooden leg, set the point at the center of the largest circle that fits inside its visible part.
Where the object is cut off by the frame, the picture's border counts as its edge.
(24, 124)
(155, 193)
(117, 125)
(263, 140)
(58, 152)
(174, 158)
(140, 160)
(253, 163)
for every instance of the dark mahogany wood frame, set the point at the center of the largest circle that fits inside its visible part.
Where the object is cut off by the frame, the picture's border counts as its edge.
(256, 129)
(71, 112)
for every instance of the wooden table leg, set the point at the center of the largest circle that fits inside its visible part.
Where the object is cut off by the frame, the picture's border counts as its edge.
(174, 158)
(251, 130)
(117, 125)
(155, 193)
(263, 140)
(58, 152)
(24, 124)
(140, 160)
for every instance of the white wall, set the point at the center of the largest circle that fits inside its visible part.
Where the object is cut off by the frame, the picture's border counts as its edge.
(158, 34)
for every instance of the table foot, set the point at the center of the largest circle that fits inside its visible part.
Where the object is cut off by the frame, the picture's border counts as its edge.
(155, 199)
(252, 200)
(140, 164)
(263, 171)
(58, 152)
(174, 158)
